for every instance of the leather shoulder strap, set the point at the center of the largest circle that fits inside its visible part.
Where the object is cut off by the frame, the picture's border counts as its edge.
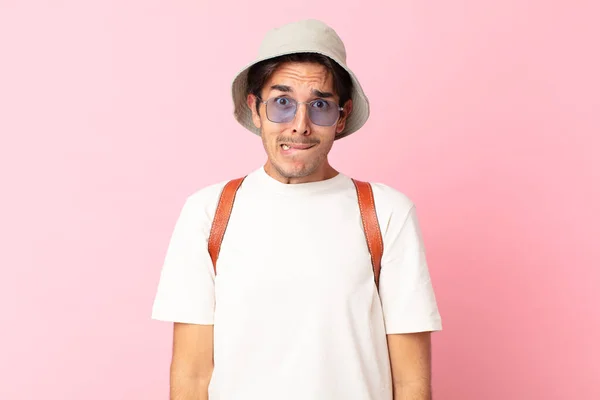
(221, 219)
(366, 203)
(368, 213)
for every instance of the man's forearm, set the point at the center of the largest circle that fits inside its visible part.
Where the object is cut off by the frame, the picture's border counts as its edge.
(414, 391)
(188, 388)
(410, 356)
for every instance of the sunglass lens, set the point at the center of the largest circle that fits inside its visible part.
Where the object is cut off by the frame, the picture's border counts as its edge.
(281, 109)
(323, 113)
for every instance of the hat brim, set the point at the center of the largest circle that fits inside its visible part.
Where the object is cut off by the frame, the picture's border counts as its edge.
(242, 113)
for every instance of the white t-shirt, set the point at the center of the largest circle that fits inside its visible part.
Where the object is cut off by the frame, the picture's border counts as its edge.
(296, 312)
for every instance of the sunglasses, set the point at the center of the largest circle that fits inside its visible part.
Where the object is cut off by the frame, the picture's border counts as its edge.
(283, 109)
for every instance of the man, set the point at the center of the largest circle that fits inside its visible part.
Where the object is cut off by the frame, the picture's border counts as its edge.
(291, 310)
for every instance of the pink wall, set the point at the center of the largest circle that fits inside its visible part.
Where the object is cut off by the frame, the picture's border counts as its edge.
(484, 112)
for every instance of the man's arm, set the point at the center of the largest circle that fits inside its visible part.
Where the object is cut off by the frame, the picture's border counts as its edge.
(192, 361)
(410, 357)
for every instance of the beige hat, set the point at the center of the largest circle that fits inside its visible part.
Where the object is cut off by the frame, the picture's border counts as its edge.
(306, 36)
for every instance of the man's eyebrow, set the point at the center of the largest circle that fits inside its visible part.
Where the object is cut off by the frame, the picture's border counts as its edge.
(315, 92)
(282, 88)
(318, 93)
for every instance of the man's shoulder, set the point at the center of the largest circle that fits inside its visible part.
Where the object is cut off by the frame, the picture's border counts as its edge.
(394, 207)
(207, 196)
(208, 193)
(388, 196)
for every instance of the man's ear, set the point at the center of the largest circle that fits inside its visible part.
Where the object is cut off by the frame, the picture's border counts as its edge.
(251, 102)
(341, 124)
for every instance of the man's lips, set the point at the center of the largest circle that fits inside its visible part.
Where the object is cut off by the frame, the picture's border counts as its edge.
(296, 146)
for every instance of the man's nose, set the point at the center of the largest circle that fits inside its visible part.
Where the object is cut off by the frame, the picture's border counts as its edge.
(301, 123)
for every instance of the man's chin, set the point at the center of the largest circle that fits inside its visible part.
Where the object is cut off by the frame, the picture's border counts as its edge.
(292, 169)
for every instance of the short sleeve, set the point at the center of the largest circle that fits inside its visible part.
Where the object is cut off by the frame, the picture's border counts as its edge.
(405, 287)
(185, 290)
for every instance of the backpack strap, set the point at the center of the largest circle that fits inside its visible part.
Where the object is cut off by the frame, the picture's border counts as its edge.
(368, 213)
(366, 204)
(221, 219)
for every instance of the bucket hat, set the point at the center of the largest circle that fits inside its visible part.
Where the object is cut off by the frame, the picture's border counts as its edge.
(305, 36)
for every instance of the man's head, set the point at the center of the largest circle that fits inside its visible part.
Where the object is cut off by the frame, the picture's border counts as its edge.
(300, 102)
(299, 96)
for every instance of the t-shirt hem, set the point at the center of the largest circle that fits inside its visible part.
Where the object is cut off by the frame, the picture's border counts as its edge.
(434, 326)
(182, 319)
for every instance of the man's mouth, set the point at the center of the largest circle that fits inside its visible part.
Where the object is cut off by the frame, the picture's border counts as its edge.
(297, 146)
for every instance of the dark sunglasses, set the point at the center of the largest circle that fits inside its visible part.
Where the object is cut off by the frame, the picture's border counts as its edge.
(283, 109)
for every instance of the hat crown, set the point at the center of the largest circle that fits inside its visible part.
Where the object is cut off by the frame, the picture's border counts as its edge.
(308, 35)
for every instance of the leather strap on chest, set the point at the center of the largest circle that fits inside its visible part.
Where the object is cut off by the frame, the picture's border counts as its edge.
(368, 214)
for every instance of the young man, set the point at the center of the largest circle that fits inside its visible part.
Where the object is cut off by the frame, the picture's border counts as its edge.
(293, 307)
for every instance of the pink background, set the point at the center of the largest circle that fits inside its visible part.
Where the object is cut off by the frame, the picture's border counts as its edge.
(484, 112)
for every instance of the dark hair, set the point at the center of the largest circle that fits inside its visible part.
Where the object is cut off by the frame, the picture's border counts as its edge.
(260, 72)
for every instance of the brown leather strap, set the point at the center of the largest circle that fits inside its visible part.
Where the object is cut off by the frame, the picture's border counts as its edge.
(221, 219)
(366, 203)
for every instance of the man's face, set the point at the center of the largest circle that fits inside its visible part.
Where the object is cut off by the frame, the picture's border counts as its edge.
(297, 148)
